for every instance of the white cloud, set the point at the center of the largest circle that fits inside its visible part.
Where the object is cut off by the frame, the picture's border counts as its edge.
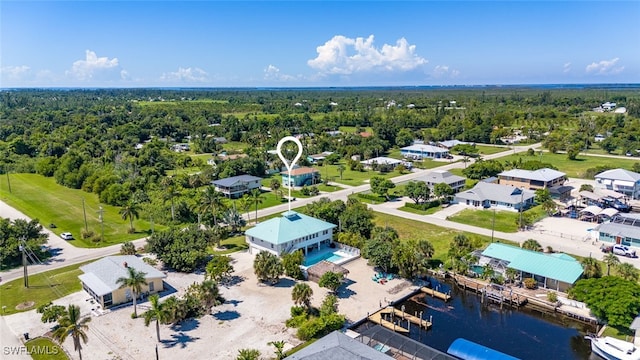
(345, 56)
(605, 67)
(186, 75)
(566, 67)
(93, 67)
(271, 72)
(15, 73)
(444, 71)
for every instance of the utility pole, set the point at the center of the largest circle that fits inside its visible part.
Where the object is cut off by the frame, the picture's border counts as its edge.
(521, 205)
(493, 223)
(8, 181)
(101, 217)
(84, 211)
(23, 248)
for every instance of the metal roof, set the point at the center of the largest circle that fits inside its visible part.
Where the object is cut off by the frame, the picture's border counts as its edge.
(440, 176)
(424, 148)
(592, 209)
(230, 181)
(622, 230)
(562, 268)
(382, 161)
(619, 174)
(291, 225)
(545, 174)
(102, 275)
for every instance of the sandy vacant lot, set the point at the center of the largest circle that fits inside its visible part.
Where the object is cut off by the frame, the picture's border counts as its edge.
(252, 316)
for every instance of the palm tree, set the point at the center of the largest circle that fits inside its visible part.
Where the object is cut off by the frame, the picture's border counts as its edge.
(244, 203)
(275, 185)
(209, 294)
(234, 219)
(532, 245)
(130, 210)
(134, 281)
(71, 323)
(511, 274)
(611, 260)
(256, 199)
(157, 312)
(279, 345)
(627, 271)
(341, 169)
(248, 354)
(301, 294)
(211, 200)
(170, 192)
(591, 268)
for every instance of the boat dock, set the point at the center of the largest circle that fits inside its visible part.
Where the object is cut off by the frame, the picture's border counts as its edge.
(394, 319)
(435, 293)
(491, 292)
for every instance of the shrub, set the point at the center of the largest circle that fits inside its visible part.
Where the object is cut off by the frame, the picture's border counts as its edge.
(552, 296)
(297, 311)
(423, 206)
(86, 234)
(296, 321)
(310, 329)
(530, 283)
(150, 261)
(128, 248)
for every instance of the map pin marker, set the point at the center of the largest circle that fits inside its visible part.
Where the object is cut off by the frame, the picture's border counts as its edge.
(285, 161)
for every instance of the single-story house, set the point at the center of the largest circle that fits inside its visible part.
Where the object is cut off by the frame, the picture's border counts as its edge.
(314, 159)
(620, 180)
(532, 180)
(621, 229)
(385, 161)
(560, 192)
(101, 276)
(422, 151)
(488, 195)
(301, 176)
(448, 144)
(556, 271)
(290, 232)
(443, 177)
(236, 186)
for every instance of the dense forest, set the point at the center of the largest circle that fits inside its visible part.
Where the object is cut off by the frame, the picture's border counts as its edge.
(119, 143)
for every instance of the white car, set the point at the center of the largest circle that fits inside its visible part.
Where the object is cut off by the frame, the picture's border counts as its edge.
(624, 250)
(66, 236)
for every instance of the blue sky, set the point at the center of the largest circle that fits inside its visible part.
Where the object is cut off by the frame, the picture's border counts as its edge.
(317, 43)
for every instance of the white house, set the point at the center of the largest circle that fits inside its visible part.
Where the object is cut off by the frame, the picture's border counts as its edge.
(504, 197)
(620, 180)
(421, 151)
(288, 233)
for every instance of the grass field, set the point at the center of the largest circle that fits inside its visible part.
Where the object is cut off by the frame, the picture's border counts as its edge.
(43, 287)
(505, 221)
(43, 348)
(439, 237)
(488, 150)
(352, 129)
(429, 211)
(574, 168)
(41, 198)
(233, 244)
(350, 177)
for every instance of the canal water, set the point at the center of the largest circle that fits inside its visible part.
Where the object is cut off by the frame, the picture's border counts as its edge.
(524, 333)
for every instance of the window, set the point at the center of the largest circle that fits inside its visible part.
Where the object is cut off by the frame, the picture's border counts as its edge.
(151, 287)
(107, 299)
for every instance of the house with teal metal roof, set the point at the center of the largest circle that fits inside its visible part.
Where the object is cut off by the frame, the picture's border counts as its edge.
(288, 233)
(552, 271)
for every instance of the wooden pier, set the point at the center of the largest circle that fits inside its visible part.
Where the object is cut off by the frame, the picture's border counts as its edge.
(435, 293)
(397, 315)
(487, 291)
(470, 284)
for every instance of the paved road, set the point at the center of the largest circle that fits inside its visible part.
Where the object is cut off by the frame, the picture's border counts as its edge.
(66, 254)
(69, 255)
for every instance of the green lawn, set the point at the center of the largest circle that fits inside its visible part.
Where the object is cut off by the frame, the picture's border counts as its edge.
(488, 150)
(43, 288)
(429, 211)
(233, 244)
(41, 198)
(439, 237)
(43, 348)
(352, 129)
(235, 146)
(505, 221)
(574, 168)
(350, 177)
(619, 333)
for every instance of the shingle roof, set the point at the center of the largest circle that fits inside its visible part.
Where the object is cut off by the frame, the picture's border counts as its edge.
(495, 192)
(441, 176)
(559, 267)
(336, 345)
(230, 181)
(538, 175)
(300, 171)
(452, 143)
(291, 225)
(619, 174)
(102, 275)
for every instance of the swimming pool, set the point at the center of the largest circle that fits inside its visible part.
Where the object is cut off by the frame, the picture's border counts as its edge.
(316, 258)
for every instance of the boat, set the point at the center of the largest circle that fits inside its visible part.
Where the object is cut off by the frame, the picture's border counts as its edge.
(611, 348)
